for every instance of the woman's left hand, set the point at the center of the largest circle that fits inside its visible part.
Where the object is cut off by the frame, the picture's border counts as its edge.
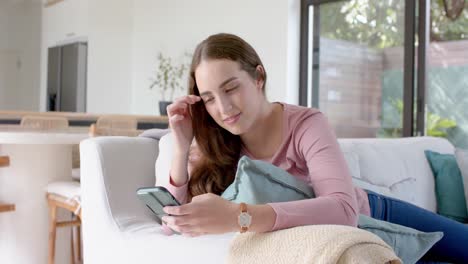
(205, 214)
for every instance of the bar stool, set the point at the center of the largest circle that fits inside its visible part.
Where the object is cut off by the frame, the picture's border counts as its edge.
(117, 122)
(43, 123)
(67, 194)
(5, 207)
(59, 194)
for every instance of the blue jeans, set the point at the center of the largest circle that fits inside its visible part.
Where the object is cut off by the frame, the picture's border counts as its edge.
(453, 247)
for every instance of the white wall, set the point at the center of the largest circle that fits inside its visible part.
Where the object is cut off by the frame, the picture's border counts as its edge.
(110, 56)
(174, 27)
(8, 55)
(125, 36)
(20, 25)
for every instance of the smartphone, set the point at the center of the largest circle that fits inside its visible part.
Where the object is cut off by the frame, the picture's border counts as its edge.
(156, 198)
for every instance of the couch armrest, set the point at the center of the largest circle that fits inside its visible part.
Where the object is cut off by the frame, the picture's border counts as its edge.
(112, 169)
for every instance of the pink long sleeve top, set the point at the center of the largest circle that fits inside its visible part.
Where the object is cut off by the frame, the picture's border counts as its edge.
(311, 153)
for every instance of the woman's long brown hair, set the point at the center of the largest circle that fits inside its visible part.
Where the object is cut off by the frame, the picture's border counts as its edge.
(220, 150)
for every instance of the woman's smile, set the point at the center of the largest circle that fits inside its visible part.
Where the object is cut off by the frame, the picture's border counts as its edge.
(232, 119)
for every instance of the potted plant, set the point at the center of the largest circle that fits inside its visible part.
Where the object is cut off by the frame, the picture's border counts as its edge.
(169, 77)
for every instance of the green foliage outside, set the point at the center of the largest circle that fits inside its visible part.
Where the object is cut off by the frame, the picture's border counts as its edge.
(443, 28)
(380, 24)
(436, 126)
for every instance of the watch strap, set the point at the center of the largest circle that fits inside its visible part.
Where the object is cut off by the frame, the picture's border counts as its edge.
(244, 229)
(243, 209)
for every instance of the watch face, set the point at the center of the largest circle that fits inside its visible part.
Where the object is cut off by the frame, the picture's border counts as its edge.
(245, 219)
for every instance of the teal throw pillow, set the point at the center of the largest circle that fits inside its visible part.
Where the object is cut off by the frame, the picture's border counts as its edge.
(461, 156)
(450, 195)
(259, 182)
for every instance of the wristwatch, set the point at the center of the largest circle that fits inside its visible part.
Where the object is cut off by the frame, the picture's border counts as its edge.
(244, 219)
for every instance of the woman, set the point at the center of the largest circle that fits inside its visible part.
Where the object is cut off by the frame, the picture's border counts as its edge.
(228, 115)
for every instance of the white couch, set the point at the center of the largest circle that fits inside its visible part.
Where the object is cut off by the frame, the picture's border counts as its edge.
(118, 228)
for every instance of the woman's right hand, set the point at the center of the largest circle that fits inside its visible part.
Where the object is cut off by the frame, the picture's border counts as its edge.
(180, 121)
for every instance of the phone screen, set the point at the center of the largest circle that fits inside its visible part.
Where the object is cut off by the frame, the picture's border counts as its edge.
(156, 198)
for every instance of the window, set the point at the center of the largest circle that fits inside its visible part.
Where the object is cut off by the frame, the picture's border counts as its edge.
(447, 72)
(358, 62)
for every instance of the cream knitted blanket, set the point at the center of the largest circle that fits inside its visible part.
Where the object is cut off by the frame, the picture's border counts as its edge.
(311, 244)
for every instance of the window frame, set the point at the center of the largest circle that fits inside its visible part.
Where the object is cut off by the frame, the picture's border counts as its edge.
(410, 98)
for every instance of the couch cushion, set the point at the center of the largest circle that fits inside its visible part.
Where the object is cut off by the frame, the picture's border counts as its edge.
(395, 167)
(163, 162)
(67, 189)
(155, 133)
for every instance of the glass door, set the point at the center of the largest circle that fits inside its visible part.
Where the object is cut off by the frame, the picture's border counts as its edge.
(356, 65)
(447, 72)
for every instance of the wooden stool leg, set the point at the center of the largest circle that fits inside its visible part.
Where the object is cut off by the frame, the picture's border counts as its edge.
(52, 231)
(72, 246)
(78, 243)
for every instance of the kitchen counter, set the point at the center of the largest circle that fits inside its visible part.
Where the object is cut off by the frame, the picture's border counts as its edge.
(13, 136)
(84, 119)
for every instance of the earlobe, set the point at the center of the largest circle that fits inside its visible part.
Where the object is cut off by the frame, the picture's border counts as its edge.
(260, 83)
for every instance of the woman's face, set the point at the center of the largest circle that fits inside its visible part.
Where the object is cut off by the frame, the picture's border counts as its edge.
(231, 96)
